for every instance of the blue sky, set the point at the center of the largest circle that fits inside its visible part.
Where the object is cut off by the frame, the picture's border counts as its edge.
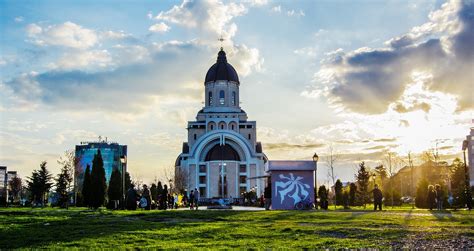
(363, 76)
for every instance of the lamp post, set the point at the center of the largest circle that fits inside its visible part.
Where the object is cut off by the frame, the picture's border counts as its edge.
(373, 177)
(171, 187)
(315, 160)
(123, 161)
(465, 145)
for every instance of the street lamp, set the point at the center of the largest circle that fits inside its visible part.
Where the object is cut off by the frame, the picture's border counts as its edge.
(123, 161)
(465, 145)
(315, 160)
(222, 177)
(373, 177)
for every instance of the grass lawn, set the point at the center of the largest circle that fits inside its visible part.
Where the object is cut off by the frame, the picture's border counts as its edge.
(79, 227)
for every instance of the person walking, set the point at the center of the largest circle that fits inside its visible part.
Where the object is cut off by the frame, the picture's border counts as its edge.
(268, 195)
(378, 197)
(147, 195)
(439, 197)
(196, 198)
(431, 197)
(131, 198)
(191, 200)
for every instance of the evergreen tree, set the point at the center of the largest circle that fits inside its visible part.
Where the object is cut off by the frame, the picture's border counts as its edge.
(458, 183)
(39, 184)
(115, 185)
(62, 184)
(128, 181)
(381, 171)
(421, 199)
(352, 194)
(86, 187)
(99, 185)
(362, 178)
(154, 192)
(323, 197)
(16, 186)
(338, 192)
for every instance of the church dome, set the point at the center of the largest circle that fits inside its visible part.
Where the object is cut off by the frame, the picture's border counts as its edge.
(221, 70)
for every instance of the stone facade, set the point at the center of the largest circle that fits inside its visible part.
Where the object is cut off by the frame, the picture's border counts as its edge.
(220, 138)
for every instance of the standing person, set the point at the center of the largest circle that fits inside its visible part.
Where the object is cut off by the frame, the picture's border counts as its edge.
(268, 195)
(146, 194)
(439, 197)
(377, 198)
(191, 200)
(196, 198)
(431, 197)
(131, 198)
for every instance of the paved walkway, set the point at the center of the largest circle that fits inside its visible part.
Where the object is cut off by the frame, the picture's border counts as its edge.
(237, 208)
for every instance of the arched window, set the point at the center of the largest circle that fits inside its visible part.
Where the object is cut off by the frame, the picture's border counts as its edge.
(221, 97)
(233, 98)
(210, 98)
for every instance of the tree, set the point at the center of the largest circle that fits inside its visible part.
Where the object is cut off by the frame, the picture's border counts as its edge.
(128, 181)
(421, 199)
(115, 185)
(63, 182)
(338, 193)
(86, 187)
(39, 184)
(98, 181)
(323, 197)
(381, 171)
(72, 163)
(16, 187)
(180, 180)
(331, 160)
(362, 178)
(458, 183)
(393, 162)
(352, 194)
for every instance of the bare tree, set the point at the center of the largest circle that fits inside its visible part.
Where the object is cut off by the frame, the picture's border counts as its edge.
(72, 164)
(331, 158)
(393, 163)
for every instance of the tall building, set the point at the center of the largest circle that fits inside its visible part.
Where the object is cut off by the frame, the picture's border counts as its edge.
(112, 153)
(3, 182)
(222, 150)
(470, 155)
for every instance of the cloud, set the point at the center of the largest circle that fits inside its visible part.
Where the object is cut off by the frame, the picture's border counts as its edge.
(213, 18)
(369, 80)
(286, 146)
(67, 34)
(296, 13)
(19, 19)
(401, 108)
(84, 59)
(159, 28)
(276, 9)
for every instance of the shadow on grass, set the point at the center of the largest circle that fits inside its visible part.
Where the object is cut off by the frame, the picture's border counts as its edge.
(443, 215)
(34, 229)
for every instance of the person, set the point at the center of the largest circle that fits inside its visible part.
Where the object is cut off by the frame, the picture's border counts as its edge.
(146, 194)
(431, 197)
(268, 195)
(191, 200)
(131, 198)
(439, 197)
(196, 198)
(377, 198)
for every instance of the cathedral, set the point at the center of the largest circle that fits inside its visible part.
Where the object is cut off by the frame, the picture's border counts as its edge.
(222, 157)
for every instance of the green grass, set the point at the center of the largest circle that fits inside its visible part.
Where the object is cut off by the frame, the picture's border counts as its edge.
(76, 227)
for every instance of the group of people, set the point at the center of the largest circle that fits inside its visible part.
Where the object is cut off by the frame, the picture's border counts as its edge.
(133, 200)
(435, 197)
(193, 201)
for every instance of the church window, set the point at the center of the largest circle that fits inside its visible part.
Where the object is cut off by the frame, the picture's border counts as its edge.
(210, 98)
(233, 98)
(212, 127)
(202, 191)
(232, 127)
(195, 136)
(222, 127)
(202, 169)
(243, 179)
(202, 180)
(243, 168)
(221, 97)
(250, 136)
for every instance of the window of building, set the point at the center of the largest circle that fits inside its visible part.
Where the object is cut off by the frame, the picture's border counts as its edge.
(221, 97)
(202, 180)
(243, 168)
(243, 179)
(232, 127)
(202, 168)
(222, 127)
(210, 98)
(241, 126)
(195, 136)
(233, 98)
(250, 136)
(202, 192)
(249, 126)
(212, 127)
